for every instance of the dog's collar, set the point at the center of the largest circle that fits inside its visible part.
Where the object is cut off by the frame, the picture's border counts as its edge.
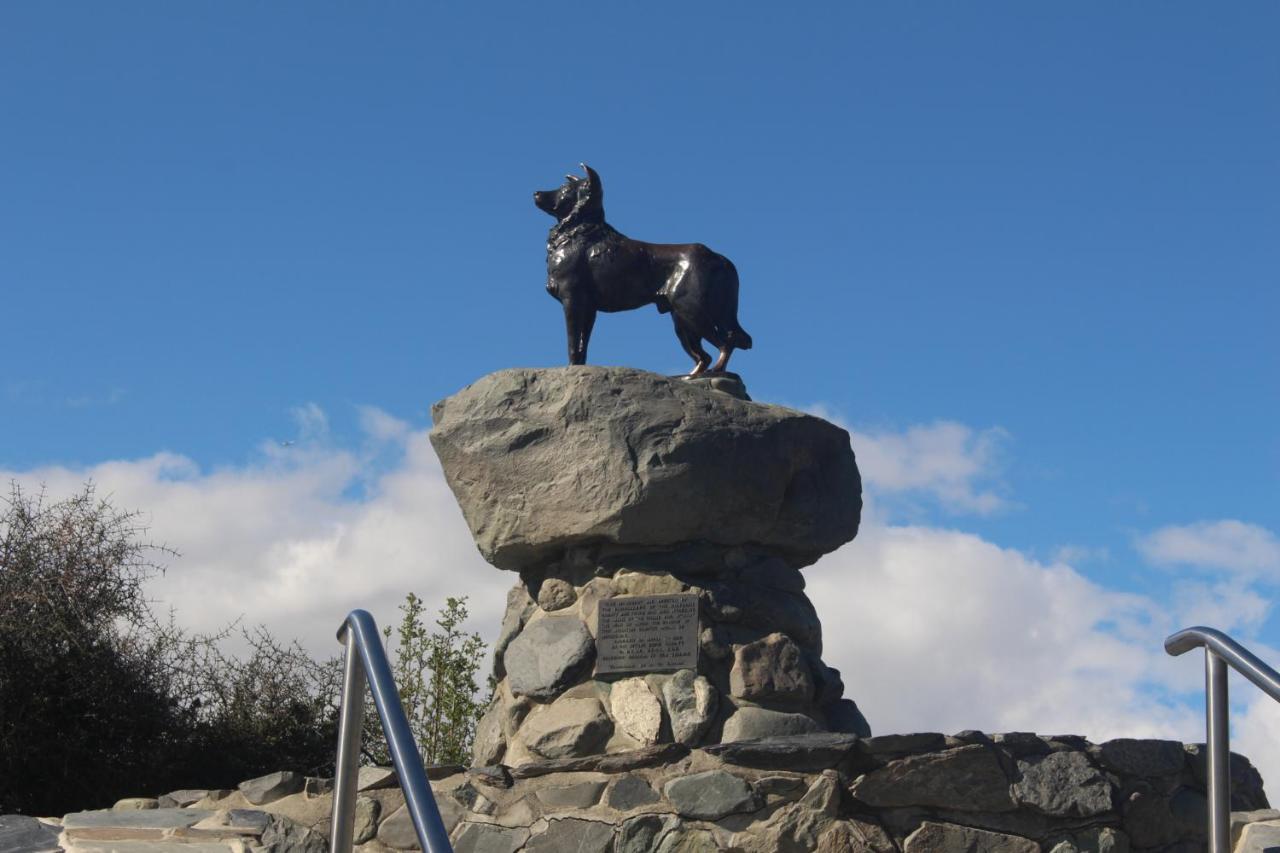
(558, 238)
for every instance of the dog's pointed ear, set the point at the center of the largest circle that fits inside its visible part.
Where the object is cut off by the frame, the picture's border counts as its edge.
(573, 179)
(593, 180)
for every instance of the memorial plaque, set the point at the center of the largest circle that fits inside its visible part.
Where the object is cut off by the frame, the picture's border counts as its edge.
(647, 633)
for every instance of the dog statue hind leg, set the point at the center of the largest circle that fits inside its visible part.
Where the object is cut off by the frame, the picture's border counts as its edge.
(692, 344)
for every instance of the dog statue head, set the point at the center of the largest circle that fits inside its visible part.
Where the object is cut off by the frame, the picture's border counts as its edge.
(577, 201)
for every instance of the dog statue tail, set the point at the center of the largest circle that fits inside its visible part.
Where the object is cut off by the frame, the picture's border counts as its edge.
(737, 337)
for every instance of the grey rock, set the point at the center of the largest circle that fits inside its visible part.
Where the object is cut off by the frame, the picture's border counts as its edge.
(572, 834)
(396, 830)
(691, 703)
(519, 608)
(1259, 838)
(21, 834)
(934, 837)
(884, 747)
(580, 795)
(436, 772)
(494, 775)
(856, 836)
(182, 799)
(710, 795)
(376, 778)
(1246, 782)
(549, 656)
(490, 742)
(1021, 744)
(273, 786)
(1239, 820)
(489, 838)
(643, 834)
(556, 594)
(619, 762)
(1098, 839)
(282, 835)
(147, 819)
(630, 792)
(685, 840)
(636, 710)
(1063, 784)
(749, 723)
(772, 573)
(844, 715)
(804, 753)
(1147, 819)
(772, 670)
(366, 824)
(566, 728)
(1133, 757)
(766, 610)
(968, 778)
(542, 459)
(130, 804)
(236, 822)
(317, 786)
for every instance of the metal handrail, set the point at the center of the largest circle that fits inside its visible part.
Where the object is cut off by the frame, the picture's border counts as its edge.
(1219, 651)
(367, 660)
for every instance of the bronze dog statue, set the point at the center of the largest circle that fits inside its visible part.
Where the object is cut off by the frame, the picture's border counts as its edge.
(591, 267)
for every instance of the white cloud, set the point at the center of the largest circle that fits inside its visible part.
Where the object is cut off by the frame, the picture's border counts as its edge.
(954, 464)
(1236, 546)
(933, 629)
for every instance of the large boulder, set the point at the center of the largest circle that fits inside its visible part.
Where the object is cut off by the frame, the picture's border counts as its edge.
(541, 460)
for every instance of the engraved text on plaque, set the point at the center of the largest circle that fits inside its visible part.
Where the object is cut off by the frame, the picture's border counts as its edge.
(647, 633)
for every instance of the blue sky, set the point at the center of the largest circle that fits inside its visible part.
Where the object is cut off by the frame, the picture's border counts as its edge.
(1032, 245)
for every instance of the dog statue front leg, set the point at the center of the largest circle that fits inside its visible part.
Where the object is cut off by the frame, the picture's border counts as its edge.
(579, 318)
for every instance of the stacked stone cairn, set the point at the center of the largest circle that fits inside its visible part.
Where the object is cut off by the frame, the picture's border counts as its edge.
(611, 492)
(606, 487)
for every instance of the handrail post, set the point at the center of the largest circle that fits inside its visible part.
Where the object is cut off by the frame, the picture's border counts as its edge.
(350, 729)
(1218, 749)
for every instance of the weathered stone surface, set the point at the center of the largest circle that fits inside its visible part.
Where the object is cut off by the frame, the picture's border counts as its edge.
(968, 778)
(1062, 784)
(1246, 783)
(314, 786)
(273, 786)
(855, 836)
(284, 836)
(488, 838)
(1134, 757)
(556, 594)
(630, 792)
(566, 728)
(772, 573)
(366, 823)
(804, 753)
(618, 762)
(542, 459)
(682, 840)
(1239, 820)
(569, 835)
(1147, 819)
(948, 838)
(396, 830)
(376, 778)
(767, 610)
(749, 723)
(181, 799)
(691, 704)
(772, 670)
(549, 655)
(710, 795)
(1259, 838)
(636, 710)
(490, 742)
(519, 607)
(146, 819)
(133, 804)
(1099, 839)
(887, 747)
(20, 834)
(643, 834)
(844, 715)
(580, 795)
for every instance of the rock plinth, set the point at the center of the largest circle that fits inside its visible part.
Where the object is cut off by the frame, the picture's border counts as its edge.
(604, 484)
(543, 461)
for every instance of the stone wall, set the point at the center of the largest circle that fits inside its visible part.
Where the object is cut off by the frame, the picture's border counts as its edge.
(968, 793)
